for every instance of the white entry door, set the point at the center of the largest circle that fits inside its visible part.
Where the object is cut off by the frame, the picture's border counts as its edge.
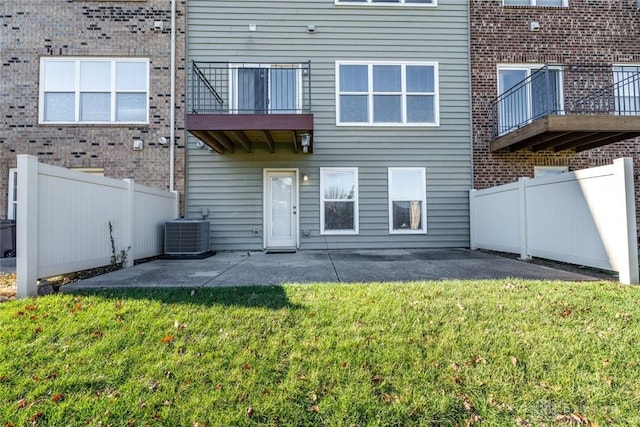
(281, 209)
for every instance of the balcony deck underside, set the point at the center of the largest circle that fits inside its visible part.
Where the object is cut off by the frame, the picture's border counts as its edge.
(565, 132)
(225, 133)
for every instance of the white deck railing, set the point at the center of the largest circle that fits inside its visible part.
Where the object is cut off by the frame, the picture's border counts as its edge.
(586, 217)
(64, 216)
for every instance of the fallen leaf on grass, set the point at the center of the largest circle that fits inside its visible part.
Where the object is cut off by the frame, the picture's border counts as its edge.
(250, 412)
(520, 422)
(574, 419)
(168, 339)
(390, 398)
(22, 403)
(314, 408)
(36, 416)
(58, 397)
(514, 360)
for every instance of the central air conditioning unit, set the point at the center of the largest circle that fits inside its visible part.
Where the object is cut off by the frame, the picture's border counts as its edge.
(186, 237)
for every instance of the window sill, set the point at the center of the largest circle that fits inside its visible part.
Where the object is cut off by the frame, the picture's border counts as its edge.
(521, 6)
(389, 125)
(339, 233)
(386, 5)
(92, 125)
(423, 232)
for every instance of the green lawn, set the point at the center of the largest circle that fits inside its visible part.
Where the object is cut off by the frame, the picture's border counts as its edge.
(505, 352)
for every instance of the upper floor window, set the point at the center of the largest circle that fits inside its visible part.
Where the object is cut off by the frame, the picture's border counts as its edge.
(535, 2)
(391, 2)
(387, 94)
(94, 90)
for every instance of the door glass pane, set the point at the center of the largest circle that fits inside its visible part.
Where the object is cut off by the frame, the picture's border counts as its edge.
(627, 90)
(131, 107)
(59, 76)
(252, 90)
(131, 76)
(281, 207)
(544, 101)
(284, 90)
(95, 107)
(514, 106)
(59, 107)
(95, 76)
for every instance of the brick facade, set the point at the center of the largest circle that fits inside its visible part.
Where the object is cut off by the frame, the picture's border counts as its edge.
(35, 29)
(587, 31)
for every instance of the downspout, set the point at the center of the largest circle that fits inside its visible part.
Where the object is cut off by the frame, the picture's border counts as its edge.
(172, 113)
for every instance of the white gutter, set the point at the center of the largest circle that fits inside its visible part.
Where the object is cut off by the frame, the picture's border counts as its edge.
(172, 113)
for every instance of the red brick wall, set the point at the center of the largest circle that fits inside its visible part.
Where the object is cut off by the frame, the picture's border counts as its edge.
(587, 31)
(34, 29)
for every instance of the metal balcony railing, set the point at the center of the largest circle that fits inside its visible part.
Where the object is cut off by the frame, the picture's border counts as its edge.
(256, 88)
(567, 90)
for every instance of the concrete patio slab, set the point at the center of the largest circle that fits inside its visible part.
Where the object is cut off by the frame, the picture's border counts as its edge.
(349, 266)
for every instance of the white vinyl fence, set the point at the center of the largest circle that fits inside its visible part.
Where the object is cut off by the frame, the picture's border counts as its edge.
(64, 216)
(586, 217)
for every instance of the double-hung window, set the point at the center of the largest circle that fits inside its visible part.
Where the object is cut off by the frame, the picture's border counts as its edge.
(387, 94)
(94, 90)
(407, 201)
(527, 92)
(535, 2)
(339, 200)
(626, 83)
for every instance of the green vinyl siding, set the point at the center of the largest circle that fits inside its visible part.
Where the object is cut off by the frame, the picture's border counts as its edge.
(230, 185)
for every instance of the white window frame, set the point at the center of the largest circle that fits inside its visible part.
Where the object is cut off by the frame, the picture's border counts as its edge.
(533, 3)
(529, 68)
(633, 87)
(401, 3)
(423, 193)
(356, 215)
(370, 93)
(113, 91)
(233, 84)
(12, 202)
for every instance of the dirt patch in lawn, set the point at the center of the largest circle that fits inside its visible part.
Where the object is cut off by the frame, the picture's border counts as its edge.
(8, 287)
